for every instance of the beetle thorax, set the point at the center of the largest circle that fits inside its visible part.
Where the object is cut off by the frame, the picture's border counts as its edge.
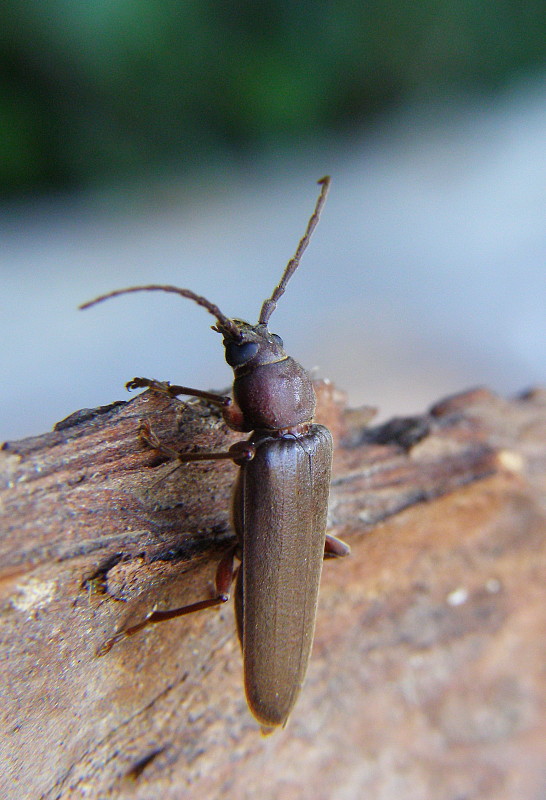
(272, 390)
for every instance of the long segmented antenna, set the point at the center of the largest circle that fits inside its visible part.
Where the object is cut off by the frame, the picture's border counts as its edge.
(270, 305)
(227, 324)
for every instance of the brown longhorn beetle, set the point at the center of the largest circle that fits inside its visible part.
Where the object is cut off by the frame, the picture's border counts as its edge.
(280, 499)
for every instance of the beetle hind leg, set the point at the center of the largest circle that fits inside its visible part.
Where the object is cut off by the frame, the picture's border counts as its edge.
(335, 548)
(224, 578)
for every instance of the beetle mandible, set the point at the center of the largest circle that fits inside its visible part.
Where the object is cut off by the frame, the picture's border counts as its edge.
(280, 499)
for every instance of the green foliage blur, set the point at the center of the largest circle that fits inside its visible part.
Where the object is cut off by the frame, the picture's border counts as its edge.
(93, 92)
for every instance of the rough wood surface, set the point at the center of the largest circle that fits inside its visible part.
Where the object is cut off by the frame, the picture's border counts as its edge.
(427, 676)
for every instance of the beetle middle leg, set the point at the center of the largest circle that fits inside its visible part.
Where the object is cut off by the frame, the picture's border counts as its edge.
(239, 452)
(225, 575)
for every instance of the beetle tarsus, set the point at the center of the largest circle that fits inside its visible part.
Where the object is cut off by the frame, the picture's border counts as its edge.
(109, 643)
(225, 574)
(147, 383)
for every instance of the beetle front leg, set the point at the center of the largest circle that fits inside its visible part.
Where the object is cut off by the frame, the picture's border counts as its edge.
(233, 416)
(224, 578)
(173, 390)
(335, 548)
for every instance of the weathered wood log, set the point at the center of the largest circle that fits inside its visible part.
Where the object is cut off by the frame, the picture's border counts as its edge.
(427, 676)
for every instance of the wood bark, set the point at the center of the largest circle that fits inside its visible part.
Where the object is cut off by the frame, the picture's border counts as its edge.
(427, 676)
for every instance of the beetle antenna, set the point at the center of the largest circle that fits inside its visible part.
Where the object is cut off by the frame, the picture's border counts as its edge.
(226, 324)
(270, 305)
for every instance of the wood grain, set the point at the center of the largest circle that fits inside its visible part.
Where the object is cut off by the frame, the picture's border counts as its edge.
(427, 676)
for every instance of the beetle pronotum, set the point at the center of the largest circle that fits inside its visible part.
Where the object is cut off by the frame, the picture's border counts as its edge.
(280, 499)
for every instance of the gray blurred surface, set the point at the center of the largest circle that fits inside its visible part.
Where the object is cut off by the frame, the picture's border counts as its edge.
(426, 275)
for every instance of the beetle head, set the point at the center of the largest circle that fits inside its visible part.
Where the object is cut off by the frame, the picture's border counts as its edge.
(254, 347)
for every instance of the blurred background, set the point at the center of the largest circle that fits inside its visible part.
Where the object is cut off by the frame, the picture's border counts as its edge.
(180, 143)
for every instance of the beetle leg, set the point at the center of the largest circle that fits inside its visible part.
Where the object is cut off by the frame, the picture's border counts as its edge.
(164, 387)
(239, 452)
(224, 578)
(233, 416)
(335, 548)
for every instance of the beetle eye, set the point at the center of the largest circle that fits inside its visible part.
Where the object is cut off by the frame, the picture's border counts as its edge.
(277, 339)
(239, 354)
